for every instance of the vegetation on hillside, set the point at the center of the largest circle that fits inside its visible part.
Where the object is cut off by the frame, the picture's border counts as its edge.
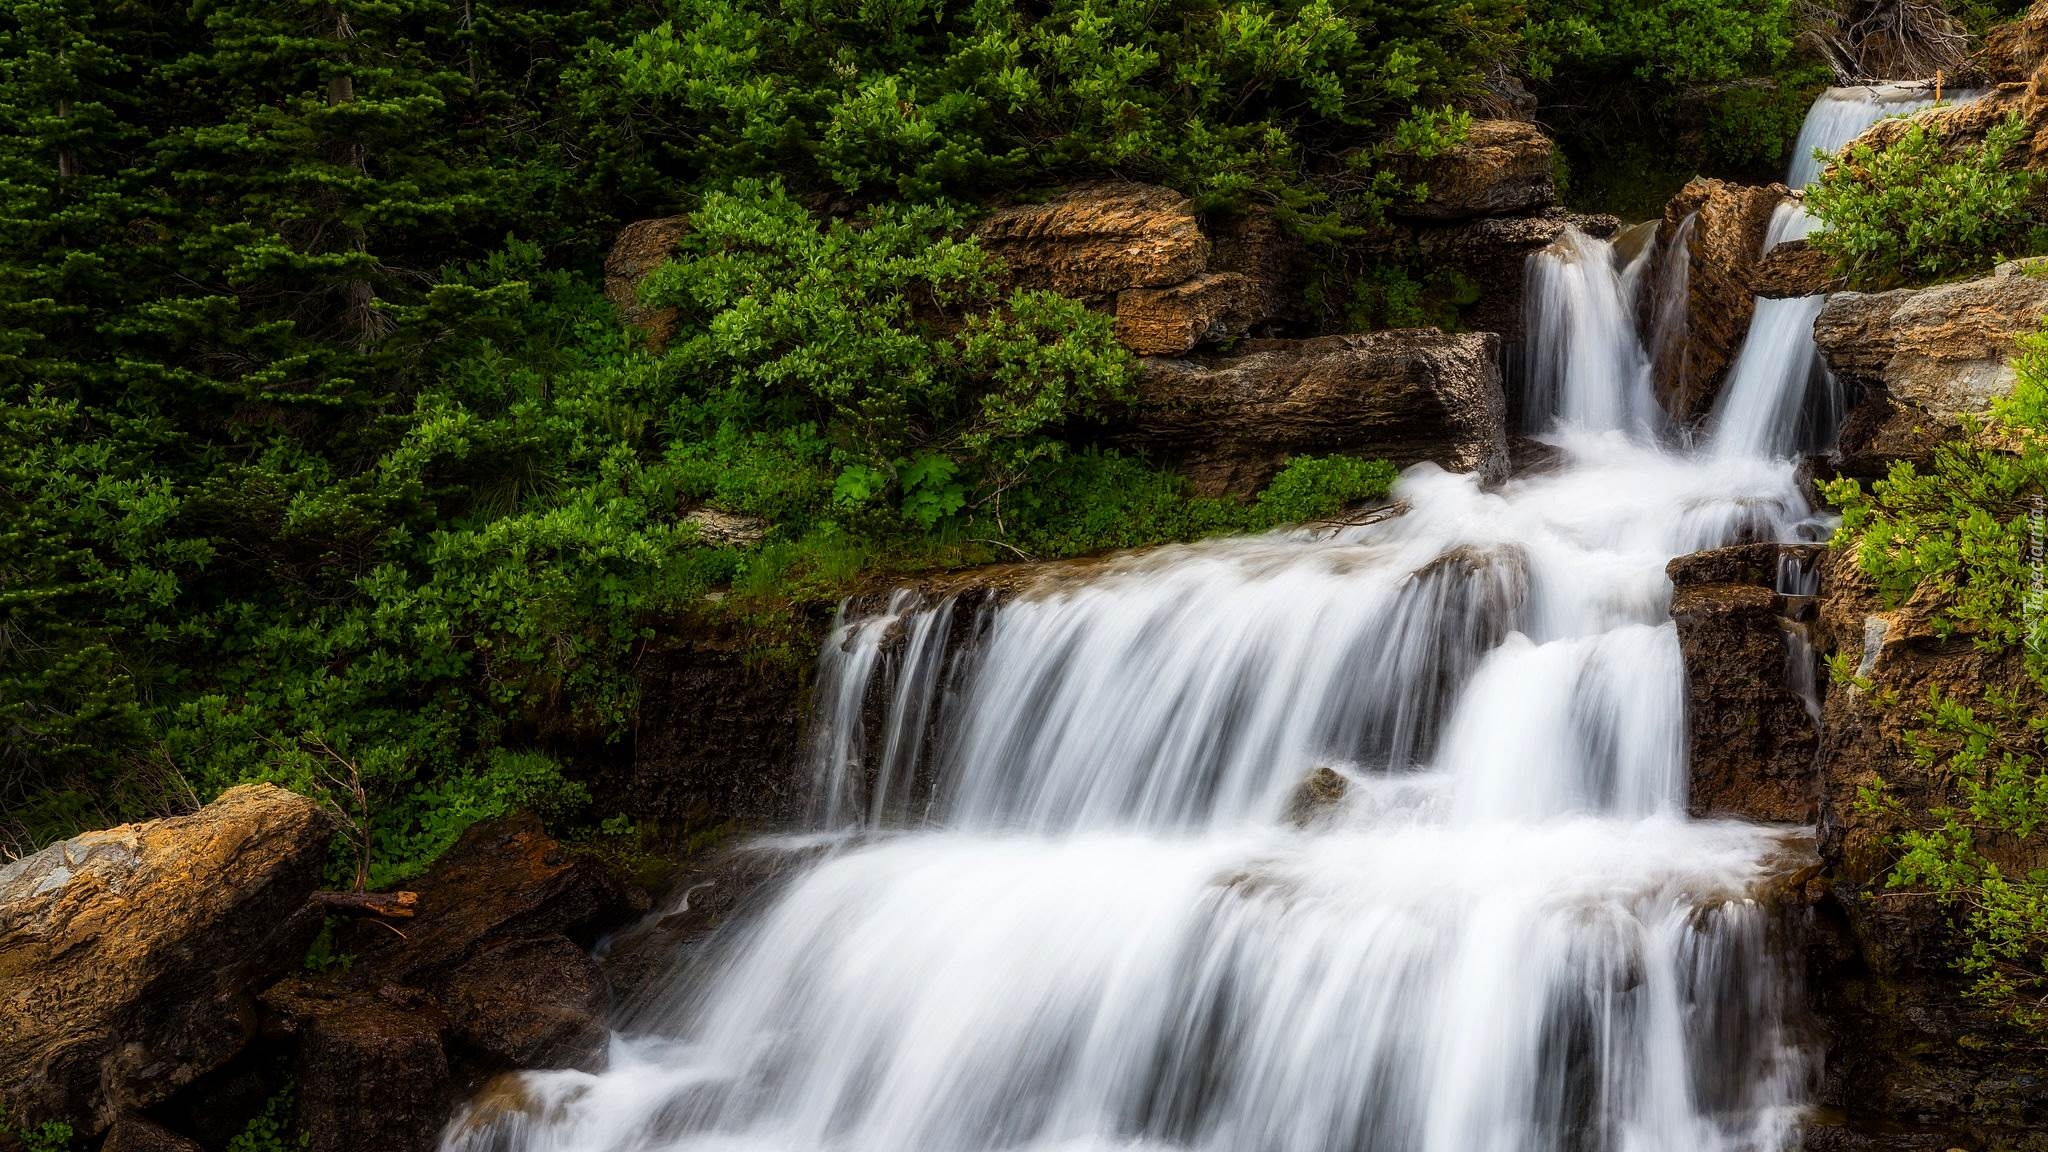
(323, 460)
(1966, 536)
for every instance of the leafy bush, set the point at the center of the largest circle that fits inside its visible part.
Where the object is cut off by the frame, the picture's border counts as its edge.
(1962, 535)
(1918, 210)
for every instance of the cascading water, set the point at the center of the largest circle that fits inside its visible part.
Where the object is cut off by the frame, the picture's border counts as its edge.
(1108, 921)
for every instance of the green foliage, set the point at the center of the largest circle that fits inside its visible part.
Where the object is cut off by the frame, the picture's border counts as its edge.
(271, 1130)
(48, 1136)
(1965, 535)
(1672, 41)
(1919, 210)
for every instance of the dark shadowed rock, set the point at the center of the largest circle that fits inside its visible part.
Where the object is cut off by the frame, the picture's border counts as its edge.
(130, 958)
(643, 246)
(1409, 395)
(1099, 239)
(1720, 228)
(528, 1002)
(1273, 263)
(370, 1070)
(1492, 254)
(135, 1134)
(1501, 168)
(1752, 738)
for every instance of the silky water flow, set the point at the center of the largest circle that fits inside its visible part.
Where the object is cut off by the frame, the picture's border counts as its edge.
(1061, 894)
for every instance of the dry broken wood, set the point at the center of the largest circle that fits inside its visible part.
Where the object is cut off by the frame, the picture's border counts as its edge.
(393, 905)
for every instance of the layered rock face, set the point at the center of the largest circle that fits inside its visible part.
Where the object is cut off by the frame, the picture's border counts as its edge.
(1099, 239)
(1502, 167)
(1924, 358)
(1232, 420)
(131, 958)
(1701, 305)
(1753, 740)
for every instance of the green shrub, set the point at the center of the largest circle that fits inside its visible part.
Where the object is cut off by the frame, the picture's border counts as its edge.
(1962, 535)
(1918, 210)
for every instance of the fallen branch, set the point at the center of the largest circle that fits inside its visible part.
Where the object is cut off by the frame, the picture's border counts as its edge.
(394, 905)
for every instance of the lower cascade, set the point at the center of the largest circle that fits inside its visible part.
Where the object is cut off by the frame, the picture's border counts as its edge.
(1071, 896)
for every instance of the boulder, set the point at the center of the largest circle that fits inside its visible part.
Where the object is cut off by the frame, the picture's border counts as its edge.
(1232, 420)
(1207, 309)
(370, 1069)
(726, 529)
(1099, 239)
(1794, 268)
(1945, 350)
(528, 1002)
(643, 246)
(130, 958)
(1753, 740)
(2015, 49)
(1502, 167)
(1703, 300)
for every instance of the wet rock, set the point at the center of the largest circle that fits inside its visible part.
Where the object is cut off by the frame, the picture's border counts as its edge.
(718, 730)
(1753, 740)
(135, 1134)
(1721, 228)
(642, 962)
(1794, 268)
(1501, 168)
(1945, 350)
(1232, 420)
(1208, 309)
(643, 246)
(726, 529)
(130, 958)
(1099, 239)
(1320, 793)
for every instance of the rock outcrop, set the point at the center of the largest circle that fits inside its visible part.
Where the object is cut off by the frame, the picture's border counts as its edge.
(1210, 308)
(643, 246)
(1907, 1051)
(1099, 239)
(1702, 305)
(1232, 420)
(1502, 167)
(130, 958)
(492, 974)
(1922, 358)
(1753, 740)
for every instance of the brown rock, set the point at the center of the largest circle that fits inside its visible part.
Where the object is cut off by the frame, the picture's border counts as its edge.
(1794, 268)
(1945, 350)
(1273, 263)
(1409, 395)
(1099, 239)
(726, 529)
(504, 879)
(1963, 124)
(2015, 49)
(134, 1134)
(643, 246)
(1501, 168)
(130, 958)
(1208, 309)
(1752, 738)
(1320, 792)
(370, 1071)
(528, 1002)
(1720, 227)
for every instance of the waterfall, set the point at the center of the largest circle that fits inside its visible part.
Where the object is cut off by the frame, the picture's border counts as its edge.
(1779, 398)
(1079, 898)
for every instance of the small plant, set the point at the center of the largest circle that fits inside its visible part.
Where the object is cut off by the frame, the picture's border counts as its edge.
(1918, 210)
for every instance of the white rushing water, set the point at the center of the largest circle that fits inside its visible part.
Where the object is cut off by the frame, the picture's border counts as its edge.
(1075, 905)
